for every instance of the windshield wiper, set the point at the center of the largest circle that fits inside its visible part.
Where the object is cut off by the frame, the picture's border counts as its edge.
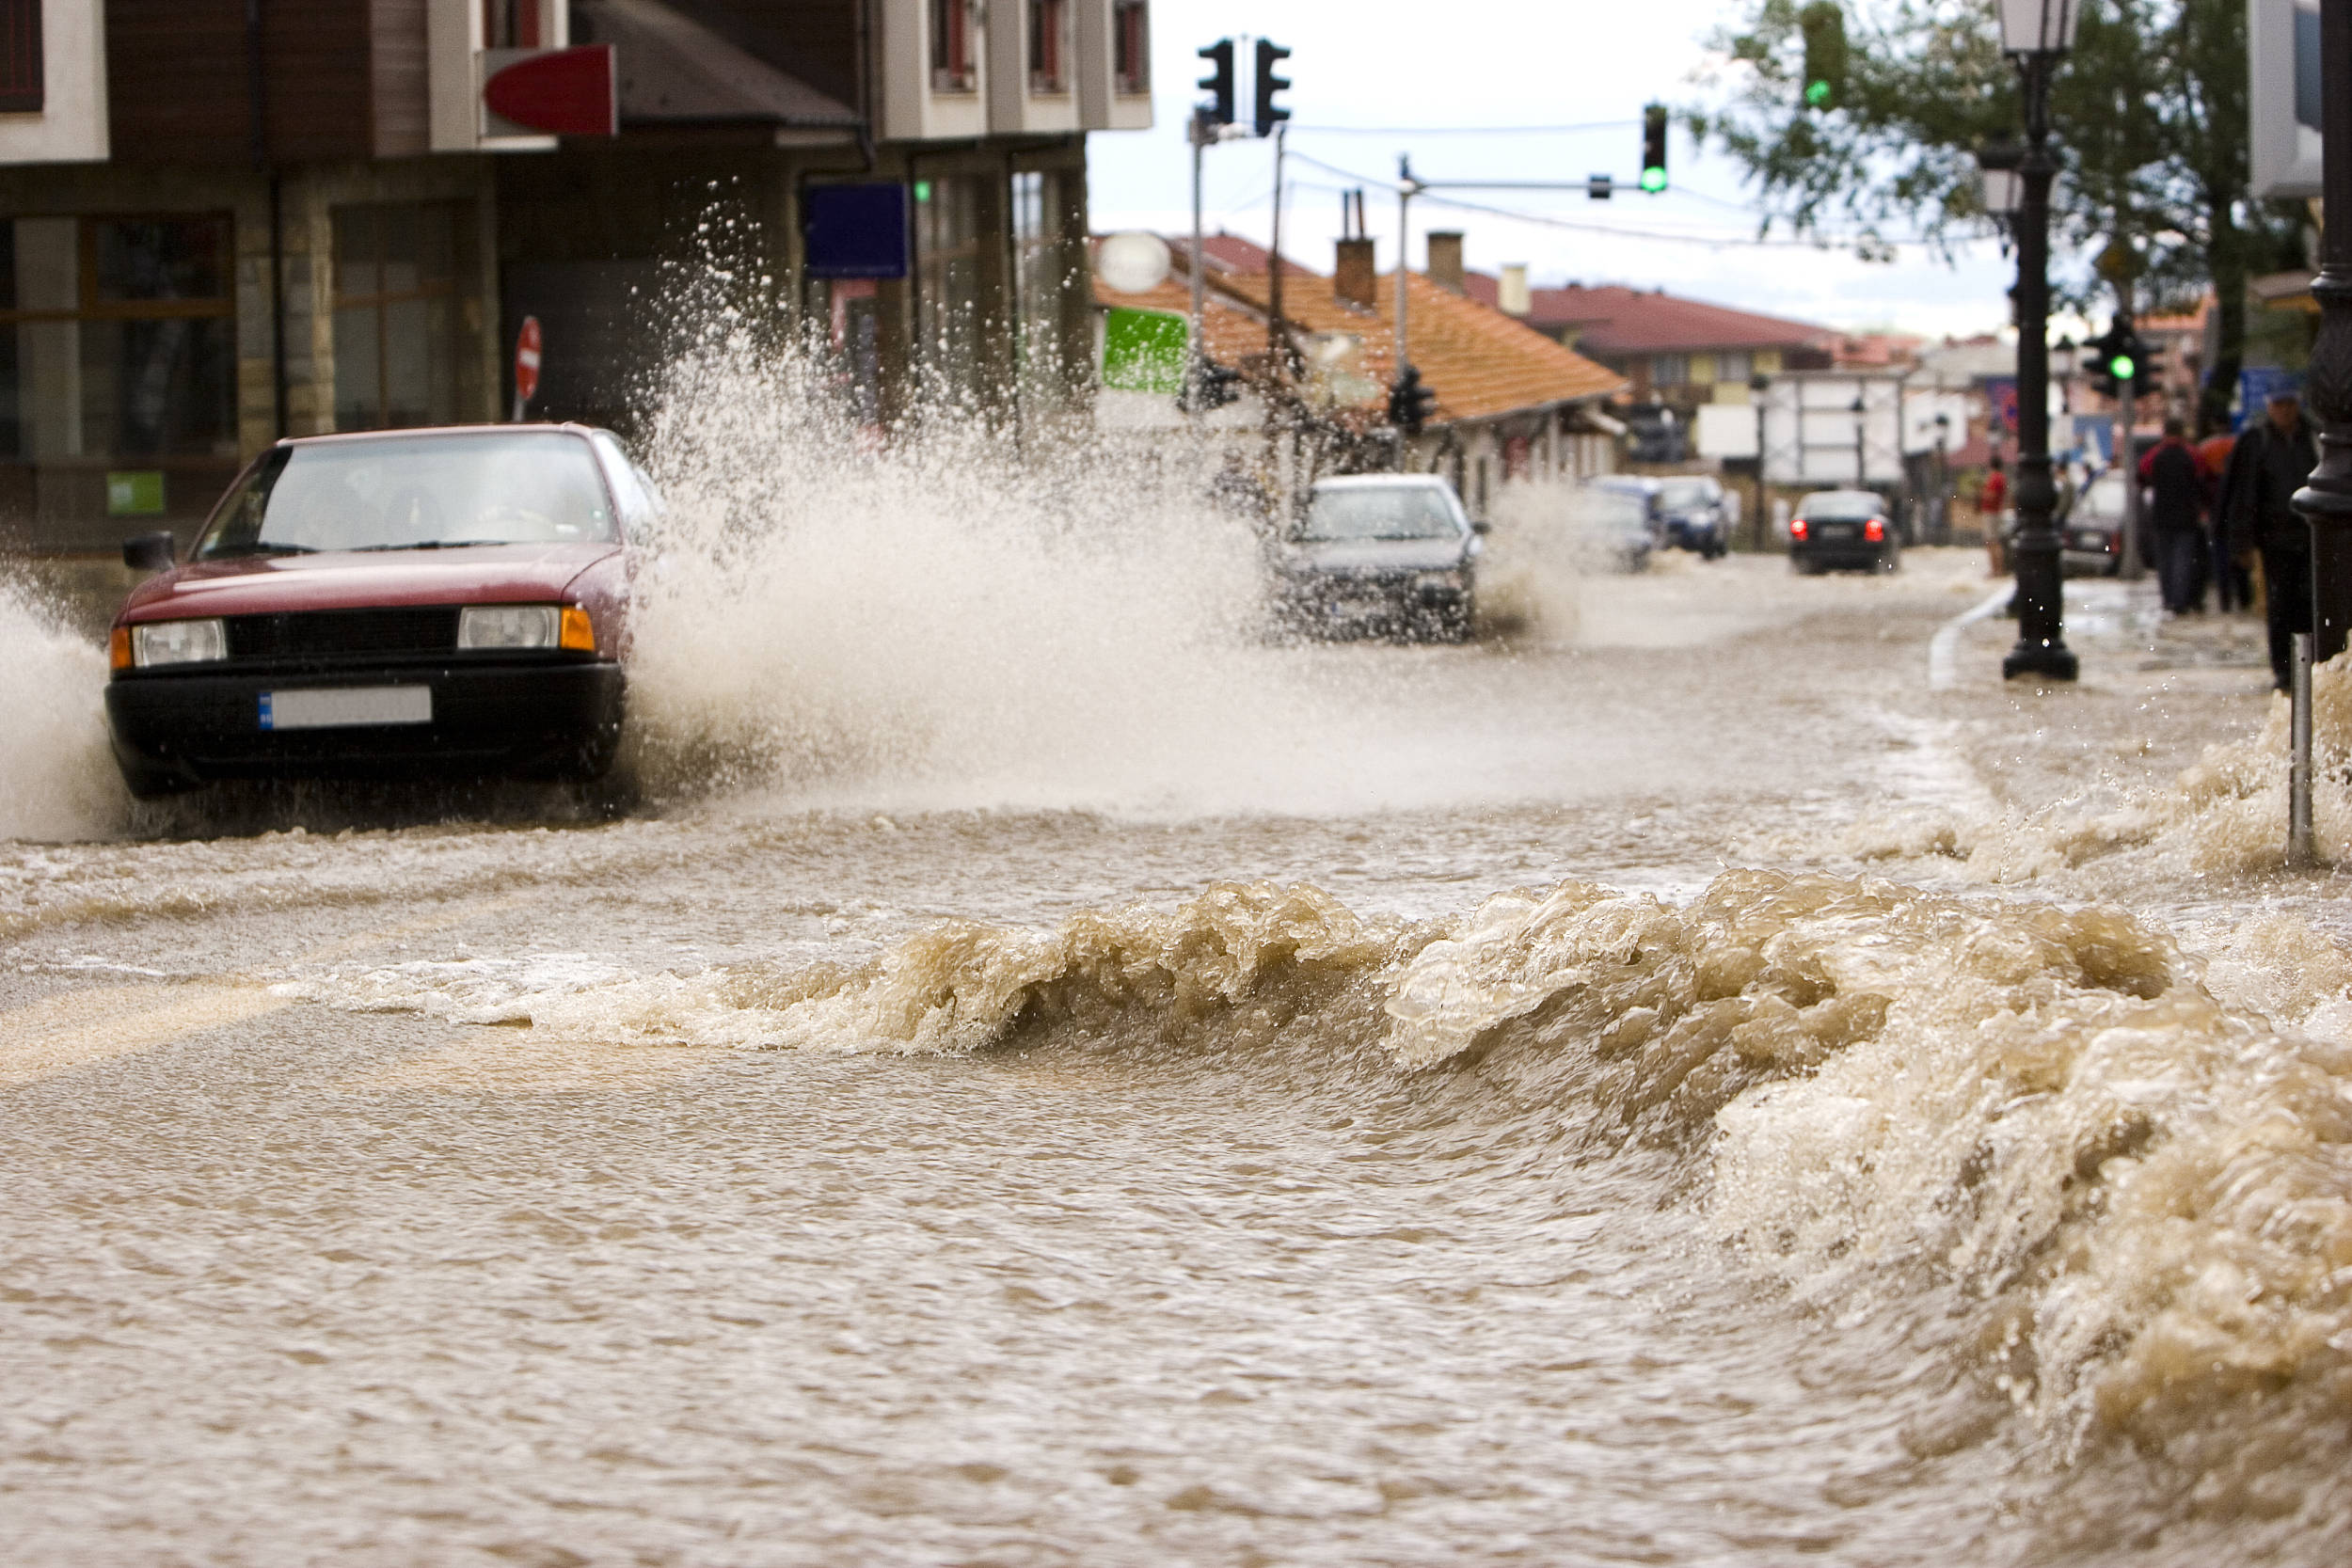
(224, 553)
(430, 545)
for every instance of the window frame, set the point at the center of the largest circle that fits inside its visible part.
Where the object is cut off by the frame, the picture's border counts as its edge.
(949, 22)
(1131, 47)
(378, 304)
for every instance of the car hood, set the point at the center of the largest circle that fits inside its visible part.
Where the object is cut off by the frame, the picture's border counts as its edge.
(1378, 555)
(350, 580)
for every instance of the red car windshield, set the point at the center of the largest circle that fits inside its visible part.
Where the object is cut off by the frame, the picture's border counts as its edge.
(415, 493)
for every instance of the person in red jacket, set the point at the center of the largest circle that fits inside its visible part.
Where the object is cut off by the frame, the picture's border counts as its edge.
(1993, 508)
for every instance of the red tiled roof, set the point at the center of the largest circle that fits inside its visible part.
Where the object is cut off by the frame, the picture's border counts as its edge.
(1479, 362)
(1223, 253)
(1618, 321)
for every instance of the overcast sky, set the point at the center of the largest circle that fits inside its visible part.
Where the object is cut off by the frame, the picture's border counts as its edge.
(1483, 63)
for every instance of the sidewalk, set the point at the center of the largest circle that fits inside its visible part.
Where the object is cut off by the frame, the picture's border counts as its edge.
(2120, 632)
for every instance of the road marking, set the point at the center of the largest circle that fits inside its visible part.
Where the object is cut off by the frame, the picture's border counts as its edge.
(75, 1028)
(1943, 648)
(58, 1034)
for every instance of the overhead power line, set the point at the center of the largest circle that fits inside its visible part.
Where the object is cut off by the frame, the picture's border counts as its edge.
(1672, 236)
(1464, 130)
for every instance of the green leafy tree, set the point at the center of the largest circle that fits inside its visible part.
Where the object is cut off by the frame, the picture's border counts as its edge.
(2148, 118)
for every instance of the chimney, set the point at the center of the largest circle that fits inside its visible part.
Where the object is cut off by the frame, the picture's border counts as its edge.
(1445, 259)
(1511, 296)
(1353, 281)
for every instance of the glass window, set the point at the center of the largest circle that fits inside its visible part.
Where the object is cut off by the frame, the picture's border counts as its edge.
(1131, 46)
(1048, 47)
(951, 49)
(400, 343)
(948, 278)
(1382, 512)
(1670, 370)
(415, 492)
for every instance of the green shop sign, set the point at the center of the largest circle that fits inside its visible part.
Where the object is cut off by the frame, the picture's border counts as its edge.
(136, 494)
(1143, 351)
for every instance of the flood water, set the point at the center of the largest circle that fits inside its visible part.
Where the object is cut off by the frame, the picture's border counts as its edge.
(1023, 1082)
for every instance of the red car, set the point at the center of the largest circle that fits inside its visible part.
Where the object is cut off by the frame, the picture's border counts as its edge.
(418, 601)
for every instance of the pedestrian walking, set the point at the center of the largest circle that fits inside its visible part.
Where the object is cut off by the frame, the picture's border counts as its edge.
(2272, 459)
(1992, 515)
(2176, 520)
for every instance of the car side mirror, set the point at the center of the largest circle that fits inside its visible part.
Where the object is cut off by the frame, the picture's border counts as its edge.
(1479, 525)
(149, 552)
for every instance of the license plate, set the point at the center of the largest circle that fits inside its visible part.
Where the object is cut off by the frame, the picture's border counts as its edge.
(344, 706)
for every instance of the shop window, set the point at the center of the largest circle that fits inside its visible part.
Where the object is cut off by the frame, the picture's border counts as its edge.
(947, 282)
(118, 373)
(399, 333)
(1040, 272)
(20, 58)
(1048, 46)
(118, 337)
(952, 46)
(1131, 46)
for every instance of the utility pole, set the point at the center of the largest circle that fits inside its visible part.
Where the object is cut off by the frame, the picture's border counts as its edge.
(1277, 340)
(1406, 188)
(1195, 358)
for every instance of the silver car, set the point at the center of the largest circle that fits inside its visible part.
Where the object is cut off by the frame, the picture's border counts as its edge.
(1384, 553)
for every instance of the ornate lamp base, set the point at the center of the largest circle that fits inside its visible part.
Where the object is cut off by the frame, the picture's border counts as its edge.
(2052, 661)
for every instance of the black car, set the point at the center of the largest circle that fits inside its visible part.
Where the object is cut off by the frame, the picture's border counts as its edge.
(1853, 530)
(1392, 553)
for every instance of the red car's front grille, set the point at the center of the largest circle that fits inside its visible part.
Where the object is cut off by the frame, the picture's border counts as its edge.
(343, 634)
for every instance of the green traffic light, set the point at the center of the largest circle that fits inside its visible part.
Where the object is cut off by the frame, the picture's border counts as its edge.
(2121, 368)
(1815, 94)
(1653, 180)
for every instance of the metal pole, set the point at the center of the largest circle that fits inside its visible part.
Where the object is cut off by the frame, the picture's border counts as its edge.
(1277, 340)
(2127, 415)
(1193, 351)
(1755, 530)
(1405, 188)
(2299, 853)
(2040, 648)
(1861, 458)
(2325, 500)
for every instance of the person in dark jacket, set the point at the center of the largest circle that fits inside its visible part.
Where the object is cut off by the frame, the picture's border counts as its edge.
(2176, 518)
(2272, 459)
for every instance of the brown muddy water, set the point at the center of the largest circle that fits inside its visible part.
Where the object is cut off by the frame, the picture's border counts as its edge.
(1027, 1080)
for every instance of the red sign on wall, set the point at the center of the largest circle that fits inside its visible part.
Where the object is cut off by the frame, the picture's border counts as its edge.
(555, 92)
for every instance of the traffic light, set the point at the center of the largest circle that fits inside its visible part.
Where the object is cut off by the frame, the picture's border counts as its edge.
(1270, 113)
(1218, 83)
(1823, 26)
(1410, 404)
(2114, 358)
(1654, 148)
(2151, 357)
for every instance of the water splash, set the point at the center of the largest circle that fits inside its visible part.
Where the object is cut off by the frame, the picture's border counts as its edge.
(57, 779)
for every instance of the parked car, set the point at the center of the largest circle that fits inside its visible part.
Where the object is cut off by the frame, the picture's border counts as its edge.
(448, 601)
(1694, 514)
(2090, 536)
(1609, 529)
(1848, 529)
(1379, 552)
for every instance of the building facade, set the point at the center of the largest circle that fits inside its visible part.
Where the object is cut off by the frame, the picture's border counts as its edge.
(222, 221)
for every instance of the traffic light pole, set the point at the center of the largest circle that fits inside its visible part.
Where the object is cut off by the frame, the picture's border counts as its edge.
(1406, 187)
(1194, 356)
(2040, 648)
(2325, 500)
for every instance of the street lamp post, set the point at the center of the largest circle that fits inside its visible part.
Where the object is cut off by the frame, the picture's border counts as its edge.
(1759, 385)
(1943, 533)
(2326, 499)
(2034, 34)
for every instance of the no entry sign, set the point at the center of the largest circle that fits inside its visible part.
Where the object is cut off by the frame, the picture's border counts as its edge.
(526, 365)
